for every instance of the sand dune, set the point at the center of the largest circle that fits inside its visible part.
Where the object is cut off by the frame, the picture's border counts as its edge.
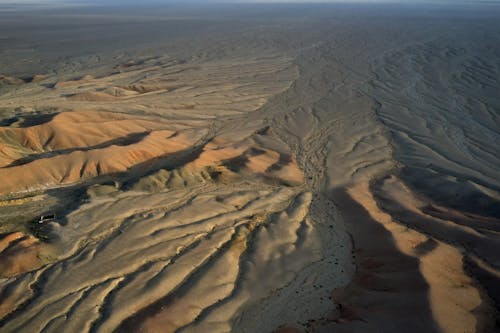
(434, 267)
(9, 81)
(204, 209)
(333, 171)
(19, 253)
(91, 96)
(70, 130)
(77, 146)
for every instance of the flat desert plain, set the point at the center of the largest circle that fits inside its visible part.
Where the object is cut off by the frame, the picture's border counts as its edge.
(250, 168)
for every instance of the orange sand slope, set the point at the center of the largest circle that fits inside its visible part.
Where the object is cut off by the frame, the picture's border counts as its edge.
(78, 146)
(19, 253)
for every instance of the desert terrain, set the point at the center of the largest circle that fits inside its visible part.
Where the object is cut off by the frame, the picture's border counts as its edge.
(250, 168)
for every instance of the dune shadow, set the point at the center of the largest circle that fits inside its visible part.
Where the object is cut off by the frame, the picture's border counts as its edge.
(36, 119)
(122, 141)
(388, 292)
(27, 120)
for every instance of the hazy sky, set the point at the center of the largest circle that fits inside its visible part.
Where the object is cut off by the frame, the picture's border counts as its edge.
(138, 2)
(215, 1)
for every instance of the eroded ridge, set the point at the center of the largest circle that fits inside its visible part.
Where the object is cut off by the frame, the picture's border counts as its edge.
(189, 252)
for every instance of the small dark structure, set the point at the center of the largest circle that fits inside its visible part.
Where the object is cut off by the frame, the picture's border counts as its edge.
(46, 218)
